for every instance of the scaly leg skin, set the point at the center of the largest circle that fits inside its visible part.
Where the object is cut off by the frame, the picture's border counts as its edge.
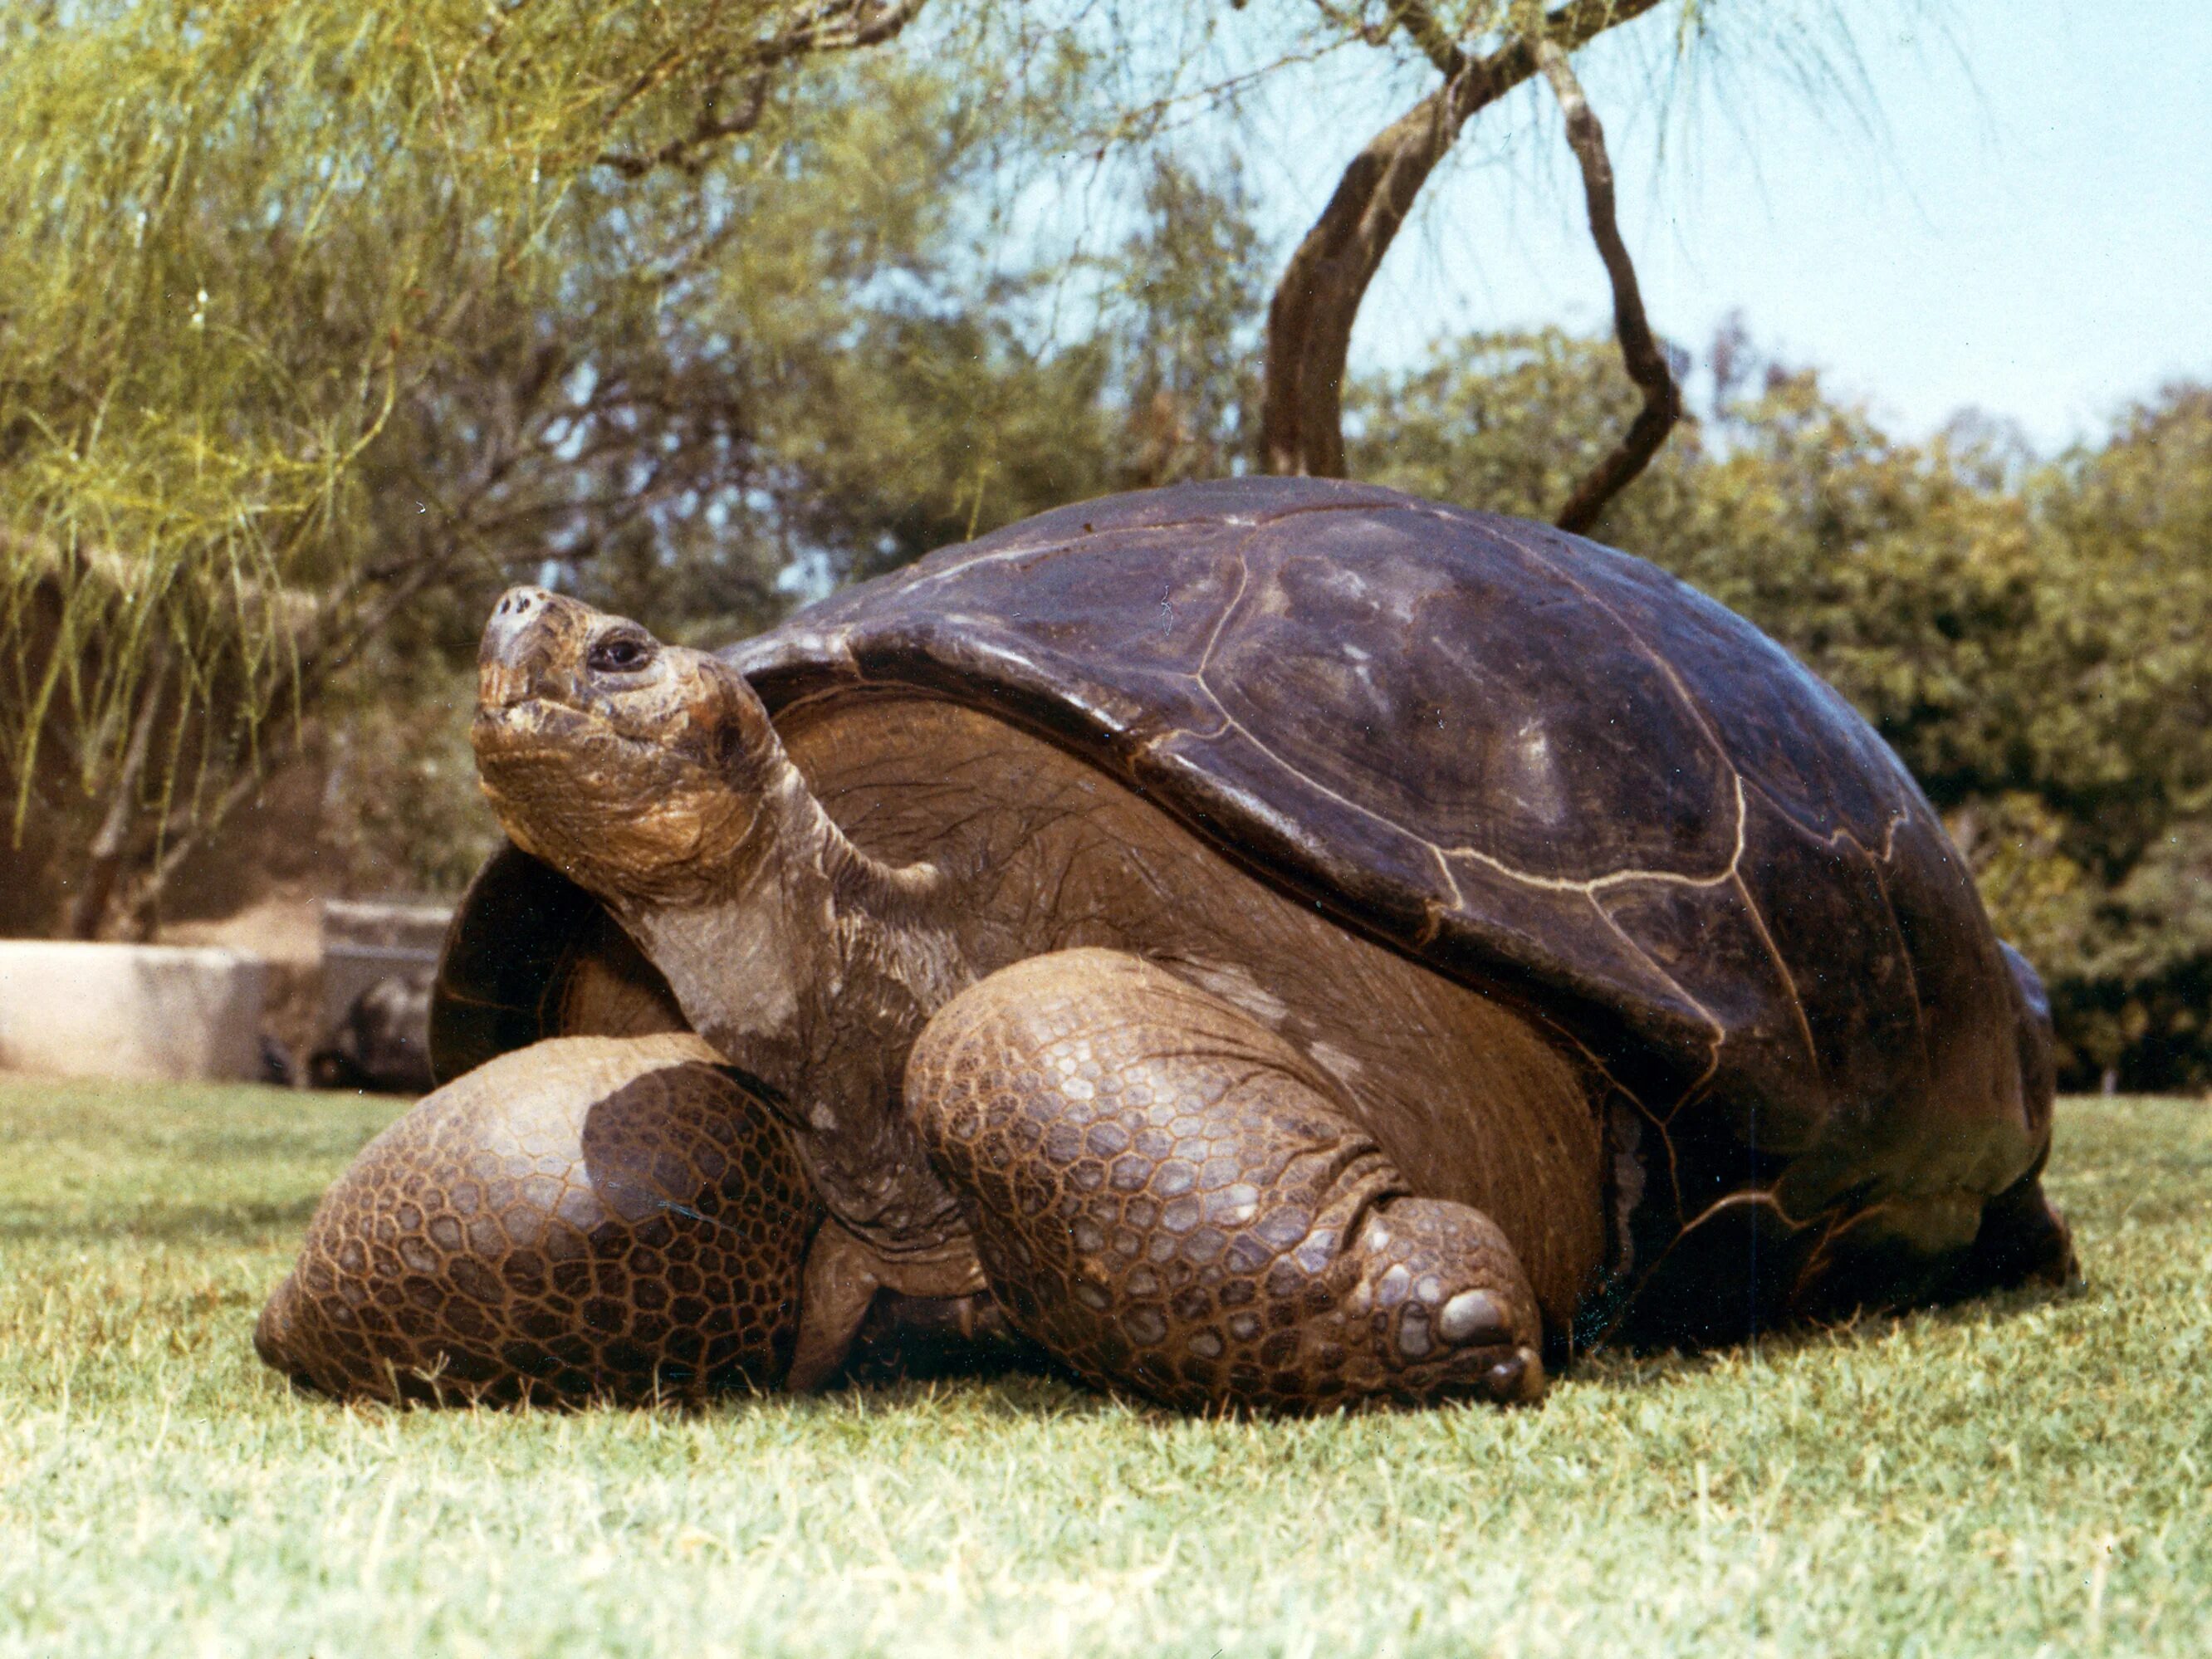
(585, 1219)
(1169, 1197)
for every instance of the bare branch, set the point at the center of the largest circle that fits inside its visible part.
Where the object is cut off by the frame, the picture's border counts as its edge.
(1422, 28)
(311, 669)
(194, 832)
(684, 153)
(831, 26)
(1639, 352)
(840, 25)
(1309, 322)
(104, 859)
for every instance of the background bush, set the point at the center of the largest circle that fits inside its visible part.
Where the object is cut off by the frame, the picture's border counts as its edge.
(2033, 636)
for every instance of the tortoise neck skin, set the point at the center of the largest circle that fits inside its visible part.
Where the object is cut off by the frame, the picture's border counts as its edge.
(653, 777)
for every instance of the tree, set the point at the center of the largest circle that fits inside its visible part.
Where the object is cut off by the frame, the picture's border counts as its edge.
(316, 328)
(1185, 302)
(1309, 321)
(305, 314)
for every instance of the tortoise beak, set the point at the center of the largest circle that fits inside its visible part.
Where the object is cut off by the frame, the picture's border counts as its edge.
(533, 648)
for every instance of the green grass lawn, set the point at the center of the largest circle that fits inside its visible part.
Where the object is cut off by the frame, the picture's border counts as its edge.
(2032, 1474)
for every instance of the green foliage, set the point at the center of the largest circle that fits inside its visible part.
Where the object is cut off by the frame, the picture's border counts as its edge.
(1189, 290)
(241, 237)
(1510, 422)
(2020, 1475)
(400, 800)
(932, 427)
(321, 326)
(936, 418)
(2034, 639)
(316, 325)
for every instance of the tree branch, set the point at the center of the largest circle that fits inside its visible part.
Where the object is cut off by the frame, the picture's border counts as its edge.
(683, 152)
(312, 669)
(1639, 352)
(840, 25)
(831, 26)
(1424, 31)
(88, 906)
(1309, 321)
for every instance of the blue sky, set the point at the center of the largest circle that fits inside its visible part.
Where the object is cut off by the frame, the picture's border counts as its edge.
(2013, 212)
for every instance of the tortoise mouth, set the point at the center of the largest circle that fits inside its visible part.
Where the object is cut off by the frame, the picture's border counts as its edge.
(535, 726)
(628, 818)
(541, 760)
(502, 686)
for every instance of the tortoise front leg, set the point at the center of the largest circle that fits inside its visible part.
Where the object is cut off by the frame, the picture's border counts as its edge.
(1164, 1194)
(588, 1217)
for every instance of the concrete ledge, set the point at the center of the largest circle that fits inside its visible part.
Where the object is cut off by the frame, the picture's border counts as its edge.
(367, 941)
(135, 1011)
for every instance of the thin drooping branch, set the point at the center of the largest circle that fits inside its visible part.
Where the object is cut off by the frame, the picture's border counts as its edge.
(1309, 321)
(183, 837)
(312, 668)
(1639, 351)
(103, 858)
(534, 415)
(829, 26)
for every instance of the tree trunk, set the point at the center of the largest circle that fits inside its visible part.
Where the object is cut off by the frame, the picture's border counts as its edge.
(1639, 351)
(1309, 321)
(87, 908)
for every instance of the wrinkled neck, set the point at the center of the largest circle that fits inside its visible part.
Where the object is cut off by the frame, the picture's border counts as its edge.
(812, 967)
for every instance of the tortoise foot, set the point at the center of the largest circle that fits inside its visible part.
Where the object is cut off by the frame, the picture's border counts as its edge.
(2023, 1240)
(1424, 1291)
(1164, 1195)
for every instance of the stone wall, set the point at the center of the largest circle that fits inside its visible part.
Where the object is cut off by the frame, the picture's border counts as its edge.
(132, 1011)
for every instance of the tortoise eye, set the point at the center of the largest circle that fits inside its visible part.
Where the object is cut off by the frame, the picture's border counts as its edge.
(619, 654)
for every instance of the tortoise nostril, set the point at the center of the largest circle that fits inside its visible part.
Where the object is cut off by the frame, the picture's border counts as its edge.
(510, 635)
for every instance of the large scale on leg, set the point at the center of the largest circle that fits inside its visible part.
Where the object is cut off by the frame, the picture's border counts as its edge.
(1531, 938)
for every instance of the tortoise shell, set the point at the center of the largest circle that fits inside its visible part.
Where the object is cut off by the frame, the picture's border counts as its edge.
(1542, 766)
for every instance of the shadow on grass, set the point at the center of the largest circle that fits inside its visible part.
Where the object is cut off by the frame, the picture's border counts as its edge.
(1632, 1371)
(1006, 1396)
(159, 1222)
(190, 1150)
(1034, 1390)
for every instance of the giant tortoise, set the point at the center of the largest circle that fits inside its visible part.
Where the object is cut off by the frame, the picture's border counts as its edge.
(1276, 944)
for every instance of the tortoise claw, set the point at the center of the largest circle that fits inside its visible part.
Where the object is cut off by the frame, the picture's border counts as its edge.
(1518, 1381)
(1473, 1319)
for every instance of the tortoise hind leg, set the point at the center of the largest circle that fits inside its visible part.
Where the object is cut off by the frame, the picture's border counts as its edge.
(2016, 1237)
(588, 1217)
(2023, 1240)
(1167, 1197)
(1944, 1248)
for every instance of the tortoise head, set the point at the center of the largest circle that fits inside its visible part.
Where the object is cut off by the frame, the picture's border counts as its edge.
(638, 768)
